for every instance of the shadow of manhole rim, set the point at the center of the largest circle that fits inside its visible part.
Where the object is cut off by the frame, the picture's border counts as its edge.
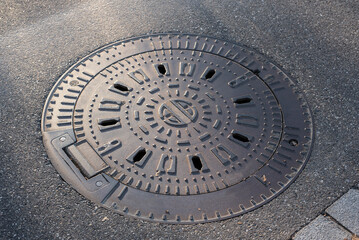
(177, 128)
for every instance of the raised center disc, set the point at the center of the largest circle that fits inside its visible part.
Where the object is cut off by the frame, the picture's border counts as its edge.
(177, 112)
(168, 120)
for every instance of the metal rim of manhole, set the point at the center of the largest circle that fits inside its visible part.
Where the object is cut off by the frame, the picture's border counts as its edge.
(177, 128)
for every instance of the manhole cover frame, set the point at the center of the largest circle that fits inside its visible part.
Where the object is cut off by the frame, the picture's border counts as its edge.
(101, 188)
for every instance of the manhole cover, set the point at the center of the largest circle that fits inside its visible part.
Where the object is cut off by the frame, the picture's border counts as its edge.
(177, 128)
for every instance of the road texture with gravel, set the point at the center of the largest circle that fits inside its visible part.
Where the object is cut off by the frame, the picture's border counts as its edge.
(316, 42)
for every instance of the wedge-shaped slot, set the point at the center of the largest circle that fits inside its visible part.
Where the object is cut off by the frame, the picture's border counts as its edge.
(210, 74)
(197, 164)
(120, 88)
(243, 101)
(139, 157)
(105, 124)
(162, 69)
(240, 138)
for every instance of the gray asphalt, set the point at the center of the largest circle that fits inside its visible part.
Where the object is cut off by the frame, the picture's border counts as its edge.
(315, 41)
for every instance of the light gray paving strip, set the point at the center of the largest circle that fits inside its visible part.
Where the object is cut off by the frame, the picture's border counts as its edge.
(322, 228)
(346, 210)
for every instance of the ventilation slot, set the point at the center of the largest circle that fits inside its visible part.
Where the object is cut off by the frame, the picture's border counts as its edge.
(242, 100)
(210, 74)
(139, 155)
(240, 137)
(108, 122)
(197, 162)
(161, 69)
(121, 87)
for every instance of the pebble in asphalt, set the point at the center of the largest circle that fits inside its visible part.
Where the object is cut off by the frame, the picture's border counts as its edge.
(316, 42)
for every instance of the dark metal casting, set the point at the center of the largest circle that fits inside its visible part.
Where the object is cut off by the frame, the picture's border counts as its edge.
(177, 128)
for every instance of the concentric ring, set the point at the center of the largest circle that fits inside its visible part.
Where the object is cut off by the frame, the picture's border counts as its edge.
(177, 128)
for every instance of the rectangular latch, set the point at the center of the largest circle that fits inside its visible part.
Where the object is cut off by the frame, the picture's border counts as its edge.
(86, 159)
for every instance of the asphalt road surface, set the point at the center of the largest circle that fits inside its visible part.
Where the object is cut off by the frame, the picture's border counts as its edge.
(315, 41)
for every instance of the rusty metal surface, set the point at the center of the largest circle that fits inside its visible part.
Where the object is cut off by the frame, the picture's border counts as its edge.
(177, 128)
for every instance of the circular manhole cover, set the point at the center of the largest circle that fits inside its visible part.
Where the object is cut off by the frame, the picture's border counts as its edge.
(177, 128)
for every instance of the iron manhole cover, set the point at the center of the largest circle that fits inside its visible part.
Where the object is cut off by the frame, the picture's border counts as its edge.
(177, 128)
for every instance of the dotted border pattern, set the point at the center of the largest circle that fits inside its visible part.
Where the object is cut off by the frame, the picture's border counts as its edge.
(251, 60)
